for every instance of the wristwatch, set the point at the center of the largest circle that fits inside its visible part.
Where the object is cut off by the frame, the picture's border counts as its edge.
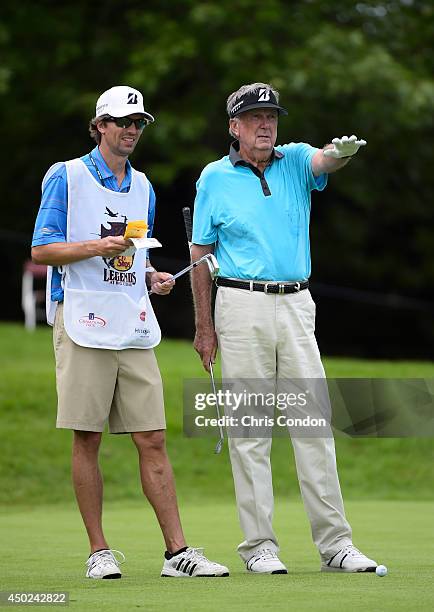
(149, 271)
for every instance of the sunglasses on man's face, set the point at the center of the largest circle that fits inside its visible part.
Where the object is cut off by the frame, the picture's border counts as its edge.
(126, 122)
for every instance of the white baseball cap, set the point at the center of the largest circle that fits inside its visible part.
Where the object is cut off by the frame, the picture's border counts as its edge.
(121, 101)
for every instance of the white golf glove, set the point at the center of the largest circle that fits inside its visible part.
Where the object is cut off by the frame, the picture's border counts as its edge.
(344, 147)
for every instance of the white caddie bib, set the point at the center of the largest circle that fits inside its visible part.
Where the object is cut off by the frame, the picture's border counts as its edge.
(106, 303)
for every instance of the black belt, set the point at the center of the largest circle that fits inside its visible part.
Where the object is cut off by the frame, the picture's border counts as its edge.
(268, 287)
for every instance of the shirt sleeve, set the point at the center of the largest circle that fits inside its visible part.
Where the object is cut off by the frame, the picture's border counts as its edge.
(204, 230)
(302, 154)
(51, 220)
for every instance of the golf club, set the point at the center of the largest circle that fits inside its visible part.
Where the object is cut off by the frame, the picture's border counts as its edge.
(188, 225)
(212, 261)
(219, 444)
(209, 259)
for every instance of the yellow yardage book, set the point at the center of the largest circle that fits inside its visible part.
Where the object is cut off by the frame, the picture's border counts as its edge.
(136, 229)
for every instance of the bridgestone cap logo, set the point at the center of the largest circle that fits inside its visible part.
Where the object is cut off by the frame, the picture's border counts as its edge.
(132, 98)
(264, 95)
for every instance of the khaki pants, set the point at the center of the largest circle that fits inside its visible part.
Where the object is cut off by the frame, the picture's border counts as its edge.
(269, 336)
(99, 386)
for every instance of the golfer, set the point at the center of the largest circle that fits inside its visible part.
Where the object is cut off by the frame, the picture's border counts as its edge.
(105, 328)
(252, 210)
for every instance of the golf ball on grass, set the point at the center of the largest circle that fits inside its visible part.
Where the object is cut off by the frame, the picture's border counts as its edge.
(381, 570)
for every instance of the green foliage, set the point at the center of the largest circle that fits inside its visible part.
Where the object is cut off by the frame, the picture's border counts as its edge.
(344, 64)
(342, 67)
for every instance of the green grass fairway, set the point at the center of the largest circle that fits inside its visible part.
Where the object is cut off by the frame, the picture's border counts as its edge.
(44, 546)
(45, 549)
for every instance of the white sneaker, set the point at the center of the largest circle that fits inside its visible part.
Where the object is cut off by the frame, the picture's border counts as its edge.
(265, 561)
(349, 559)
(191, 564)
(103, 564)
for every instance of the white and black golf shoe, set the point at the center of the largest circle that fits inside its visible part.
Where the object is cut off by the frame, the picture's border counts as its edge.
(191, 563)
(265, 561)
(103, 564)
(349, 559)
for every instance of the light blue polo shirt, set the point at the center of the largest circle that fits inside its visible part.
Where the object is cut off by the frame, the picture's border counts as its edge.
(51, 221)
(260, 229)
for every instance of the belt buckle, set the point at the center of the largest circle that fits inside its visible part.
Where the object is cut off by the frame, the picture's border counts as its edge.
(297, 287)
(280, 287)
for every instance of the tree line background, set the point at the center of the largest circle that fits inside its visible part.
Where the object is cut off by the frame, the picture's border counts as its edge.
(341, 67)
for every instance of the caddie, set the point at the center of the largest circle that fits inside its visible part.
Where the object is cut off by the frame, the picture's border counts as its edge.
(105, 328)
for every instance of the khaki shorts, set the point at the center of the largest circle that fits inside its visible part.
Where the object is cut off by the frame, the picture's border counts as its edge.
(98, 385)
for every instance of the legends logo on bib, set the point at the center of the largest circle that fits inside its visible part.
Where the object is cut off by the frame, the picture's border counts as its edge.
(117, 270)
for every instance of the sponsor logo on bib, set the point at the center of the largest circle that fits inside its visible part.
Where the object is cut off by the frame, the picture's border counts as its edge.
(119, 278)
(117, 268)
(122, 263)
(143, 332)
(92, 321)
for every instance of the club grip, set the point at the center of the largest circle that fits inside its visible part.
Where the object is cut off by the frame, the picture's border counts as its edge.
(186, 213)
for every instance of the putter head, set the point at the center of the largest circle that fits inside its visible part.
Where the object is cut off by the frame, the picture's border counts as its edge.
(213, 265)
(218, 448)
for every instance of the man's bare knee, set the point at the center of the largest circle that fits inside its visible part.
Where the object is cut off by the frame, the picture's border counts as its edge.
(87, 441)
(150, 442)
